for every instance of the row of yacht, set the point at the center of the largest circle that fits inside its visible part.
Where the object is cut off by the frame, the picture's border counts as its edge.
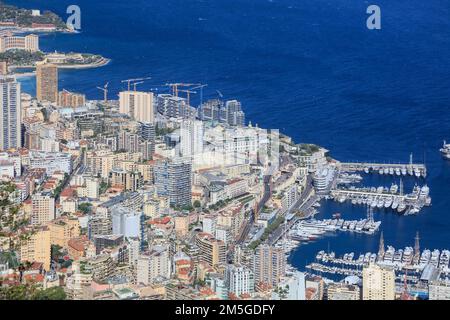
(308, 230)
(399, 171)
(437, 258)
(387, 198)
(399, 258)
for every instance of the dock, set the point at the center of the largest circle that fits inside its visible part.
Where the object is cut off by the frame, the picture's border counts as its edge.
(399, 169)
(382, 197)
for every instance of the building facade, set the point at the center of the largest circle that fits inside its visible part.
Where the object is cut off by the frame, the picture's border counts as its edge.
(10, 113)
(378, 283)
(47, 82)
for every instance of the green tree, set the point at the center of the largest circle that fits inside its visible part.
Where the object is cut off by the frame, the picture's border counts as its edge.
(197, 204)
(85, 207)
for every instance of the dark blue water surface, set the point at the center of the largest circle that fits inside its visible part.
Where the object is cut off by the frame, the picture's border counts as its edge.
(310, 68)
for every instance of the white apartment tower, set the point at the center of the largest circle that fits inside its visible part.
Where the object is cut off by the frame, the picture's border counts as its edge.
(42, 209)
(191, 137)
(10, 113)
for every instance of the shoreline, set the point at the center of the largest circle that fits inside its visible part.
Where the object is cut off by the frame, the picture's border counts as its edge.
(101, 63)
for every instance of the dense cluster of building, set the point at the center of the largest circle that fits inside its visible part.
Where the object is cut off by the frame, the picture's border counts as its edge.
(149, 197)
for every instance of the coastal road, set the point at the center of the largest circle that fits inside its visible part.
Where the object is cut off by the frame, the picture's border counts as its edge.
(303, 204)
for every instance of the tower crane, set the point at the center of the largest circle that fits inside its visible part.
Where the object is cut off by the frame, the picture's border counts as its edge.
(105, 92)
(136, 83)
(200, 86)
(175, 86)
(129, 81)
(188, 94)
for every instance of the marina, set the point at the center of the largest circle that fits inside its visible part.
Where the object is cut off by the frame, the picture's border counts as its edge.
(426, 265)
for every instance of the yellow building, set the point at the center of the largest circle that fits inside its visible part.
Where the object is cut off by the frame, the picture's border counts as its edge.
(378, 283)
(37, 247)
(62, 230)
(181, 225)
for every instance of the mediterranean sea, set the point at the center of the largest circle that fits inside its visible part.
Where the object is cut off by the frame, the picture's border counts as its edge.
(310, 68)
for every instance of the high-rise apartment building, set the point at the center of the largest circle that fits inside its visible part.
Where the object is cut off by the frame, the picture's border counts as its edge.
(174, 107)
(269, 265)
(240, 280)
(138, 105)
(173, 180)
(10, 113)
(127, 222)
(47, 82)
(211, 250)
(37, 248)
(42, 208)
(378, 283)
(71, 99)
(191, 138)
(154, 265)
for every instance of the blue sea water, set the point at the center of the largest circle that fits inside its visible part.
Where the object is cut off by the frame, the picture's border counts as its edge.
(310, 68)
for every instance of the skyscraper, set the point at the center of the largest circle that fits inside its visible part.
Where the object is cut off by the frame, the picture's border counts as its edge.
(173, 180)
(10, 113)
(42, 208)
(378, 283)
(47, 82)
(191, 138)
(138, 105)
(269, 265)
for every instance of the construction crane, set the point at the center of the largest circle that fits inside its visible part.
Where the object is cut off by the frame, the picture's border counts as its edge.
(188, 94)
(105, 92)
(175, 86)
(129, 81)
(200, 86)
(220, 93)
(136, 83)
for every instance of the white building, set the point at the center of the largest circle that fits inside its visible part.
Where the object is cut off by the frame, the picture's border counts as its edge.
(154, 265)
(14, 159)
(92, 187)
(51, 161)
(240, 280)
(126, 222)
(133, 245)
(42, 208)
(439, 290)
(191, 138)
(209, 223)
(294, 287)
(10, 113)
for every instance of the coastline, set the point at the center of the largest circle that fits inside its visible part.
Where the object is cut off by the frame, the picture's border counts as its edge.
(101, 63)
